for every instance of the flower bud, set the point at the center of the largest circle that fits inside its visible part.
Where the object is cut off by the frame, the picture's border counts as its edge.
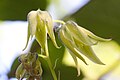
(30, 66)
(20, 72)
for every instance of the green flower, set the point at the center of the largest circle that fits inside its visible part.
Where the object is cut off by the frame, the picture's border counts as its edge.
(40, 24)
(79, 41)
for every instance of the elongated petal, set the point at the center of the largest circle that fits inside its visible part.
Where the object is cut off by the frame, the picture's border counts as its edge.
(69, 45)
(32, 21)
(28, 36)
(79, 34)
(76, 62)
(51, 33)
(87, 51)
(41, 32)
(49, 24)
(93, 36)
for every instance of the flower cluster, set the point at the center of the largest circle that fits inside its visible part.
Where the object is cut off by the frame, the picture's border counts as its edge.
(75, 38)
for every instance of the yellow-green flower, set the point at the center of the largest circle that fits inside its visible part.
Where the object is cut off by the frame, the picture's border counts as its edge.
(40, 24)
(79, 41)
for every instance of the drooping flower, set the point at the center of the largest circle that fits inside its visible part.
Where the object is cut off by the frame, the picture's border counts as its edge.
(79, 41)
(40, 24)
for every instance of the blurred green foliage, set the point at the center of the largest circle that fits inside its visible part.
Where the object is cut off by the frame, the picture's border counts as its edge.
(102, 17)
(18, 9)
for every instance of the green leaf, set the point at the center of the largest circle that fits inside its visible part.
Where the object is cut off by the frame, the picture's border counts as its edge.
(101, 17)
(13, 69)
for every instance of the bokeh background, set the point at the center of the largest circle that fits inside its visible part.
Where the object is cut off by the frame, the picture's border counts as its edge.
(102, 17)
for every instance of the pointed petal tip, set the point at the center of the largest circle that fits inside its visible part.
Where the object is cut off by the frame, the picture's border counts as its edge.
(100, 63)
(103, 64)
(85, 62)
(95, 43)
(38, 10)
(56, 45)
(78, 74)
(24, 48)
(109, 39)
(106, 40)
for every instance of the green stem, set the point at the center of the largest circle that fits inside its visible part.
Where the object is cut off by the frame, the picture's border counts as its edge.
(42, 56)
(59, 21)
(51, 68)
(49, 62)
(50, 65)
